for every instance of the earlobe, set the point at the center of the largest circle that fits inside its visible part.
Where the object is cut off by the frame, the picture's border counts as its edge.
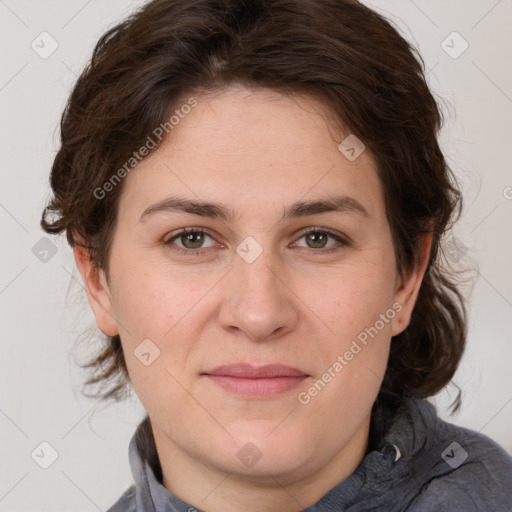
(408, 288)
(98, 291)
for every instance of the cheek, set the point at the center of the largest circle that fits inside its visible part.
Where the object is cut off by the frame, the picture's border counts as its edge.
(153, 299)
(165, 307)
(350, 299)
(156, 336)
(356, 305)
(354, 349)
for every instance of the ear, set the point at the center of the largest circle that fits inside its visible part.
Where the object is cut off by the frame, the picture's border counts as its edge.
(98, 291)
(408, 287)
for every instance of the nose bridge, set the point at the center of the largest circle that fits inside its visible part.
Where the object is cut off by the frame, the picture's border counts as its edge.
(257, 280)
(253, 262)
(257, 302)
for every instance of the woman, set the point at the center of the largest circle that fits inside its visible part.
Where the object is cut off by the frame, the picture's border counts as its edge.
(255, 196)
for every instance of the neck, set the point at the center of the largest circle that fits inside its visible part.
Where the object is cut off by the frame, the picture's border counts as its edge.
(204, 486)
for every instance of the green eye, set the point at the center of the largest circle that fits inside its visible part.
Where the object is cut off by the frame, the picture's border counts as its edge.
(192, 241)
(317, 238)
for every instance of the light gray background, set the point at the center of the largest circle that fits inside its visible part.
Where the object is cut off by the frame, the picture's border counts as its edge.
(43, 307)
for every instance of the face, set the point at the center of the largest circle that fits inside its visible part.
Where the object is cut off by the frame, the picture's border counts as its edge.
(258, 340)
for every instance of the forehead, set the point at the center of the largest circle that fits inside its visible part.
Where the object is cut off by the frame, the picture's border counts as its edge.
(244, 147)
(239, 120)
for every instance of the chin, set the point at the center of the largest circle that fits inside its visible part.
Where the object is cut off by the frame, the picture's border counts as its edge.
(263, 456)
(286, 469)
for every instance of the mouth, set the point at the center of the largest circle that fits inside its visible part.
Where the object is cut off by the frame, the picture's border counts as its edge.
(256, 381)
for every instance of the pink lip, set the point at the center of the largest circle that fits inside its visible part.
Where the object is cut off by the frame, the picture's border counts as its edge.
(251, 381)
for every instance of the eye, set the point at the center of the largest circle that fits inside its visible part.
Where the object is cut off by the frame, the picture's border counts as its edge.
(189, 240)
(318, 239)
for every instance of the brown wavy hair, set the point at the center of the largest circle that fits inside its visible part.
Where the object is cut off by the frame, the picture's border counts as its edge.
(338, 51)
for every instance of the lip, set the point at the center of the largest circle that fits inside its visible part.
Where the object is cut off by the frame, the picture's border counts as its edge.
(245, 370)
(256, 381)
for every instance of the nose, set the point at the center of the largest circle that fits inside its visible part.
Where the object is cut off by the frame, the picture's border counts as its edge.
(257, 302)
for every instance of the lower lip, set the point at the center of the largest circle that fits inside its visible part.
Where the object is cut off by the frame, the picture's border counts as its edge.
(262, 387)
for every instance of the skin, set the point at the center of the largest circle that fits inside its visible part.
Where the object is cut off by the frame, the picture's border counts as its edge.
(256, 152)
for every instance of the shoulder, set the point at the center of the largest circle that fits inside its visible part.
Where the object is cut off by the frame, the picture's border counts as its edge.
(126, 503)
(473, 474)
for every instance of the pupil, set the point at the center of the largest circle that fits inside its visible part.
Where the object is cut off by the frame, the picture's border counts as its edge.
(192, 240)
(318, 238)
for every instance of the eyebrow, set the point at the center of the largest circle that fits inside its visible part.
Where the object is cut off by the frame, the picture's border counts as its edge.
(342, 204)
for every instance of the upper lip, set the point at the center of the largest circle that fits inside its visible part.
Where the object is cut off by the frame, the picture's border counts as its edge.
(249, 371)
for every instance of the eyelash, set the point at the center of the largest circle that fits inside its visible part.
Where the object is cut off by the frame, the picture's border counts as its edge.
(202, 231)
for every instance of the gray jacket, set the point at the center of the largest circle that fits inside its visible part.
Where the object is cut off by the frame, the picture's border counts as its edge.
(419, 464)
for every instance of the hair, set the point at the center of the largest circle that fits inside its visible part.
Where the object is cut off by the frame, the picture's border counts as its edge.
(340, 52)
